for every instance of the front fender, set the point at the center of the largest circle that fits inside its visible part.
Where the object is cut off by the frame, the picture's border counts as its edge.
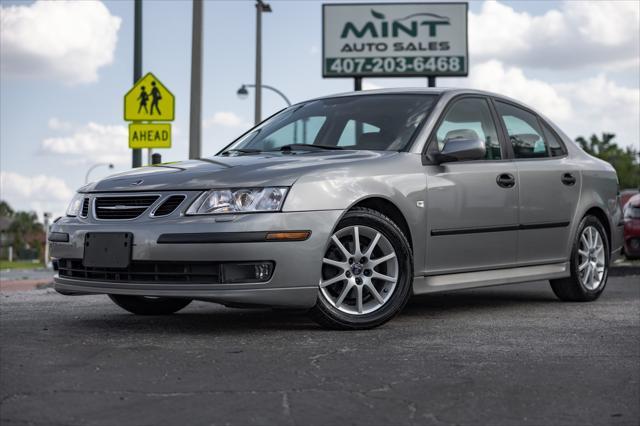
(400, 180)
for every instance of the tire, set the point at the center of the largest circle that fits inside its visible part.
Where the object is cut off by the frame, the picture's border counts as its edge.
(577, 287)
(351, 273)
(141, 305)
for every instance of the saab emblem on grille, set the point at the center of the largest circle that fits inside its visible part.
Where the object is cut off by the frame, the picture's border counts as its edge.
(136, 183)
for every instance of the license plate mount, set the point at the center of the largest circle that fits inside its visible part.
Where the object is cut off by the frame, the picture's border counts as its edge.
(107, 249)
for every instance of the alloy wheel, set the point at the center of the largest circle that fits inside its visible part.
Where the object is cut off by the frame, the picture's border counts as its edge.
(591, 258)
(359, 271)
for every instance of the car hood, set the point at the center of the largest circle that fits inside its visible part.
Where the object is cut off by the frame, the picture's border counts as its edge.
(249, 170)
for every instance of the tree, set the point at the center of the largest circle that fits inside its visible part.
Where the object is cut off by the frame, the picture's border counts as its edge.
(5, 209)
(625, 161)
(26, 230)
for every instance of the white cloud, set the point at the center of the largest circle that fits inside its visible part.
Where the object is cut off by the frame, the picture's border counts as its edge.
(57, 124)
(37, 193)
(580, 33)
(226, 119)
(511, 81)
(92, 143)
(367, 85)
(63, 40)
(600, 105)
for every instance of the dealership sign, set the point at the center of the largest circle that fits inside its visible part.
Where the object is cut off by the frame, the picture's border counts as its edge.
(394, 40)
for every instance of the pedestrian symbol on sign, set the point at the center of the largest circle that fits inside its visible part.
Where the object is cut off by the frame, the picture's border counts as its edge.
(155, 95)
(149, 100)
(143, 98)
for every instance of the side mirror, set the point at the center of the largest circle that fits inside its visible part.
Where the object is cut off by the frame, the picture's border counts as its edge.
(459, 149)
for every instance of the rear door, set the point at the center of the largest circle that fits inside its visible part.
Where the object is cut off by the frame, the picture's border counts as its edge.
(549, 185)
(471, 206)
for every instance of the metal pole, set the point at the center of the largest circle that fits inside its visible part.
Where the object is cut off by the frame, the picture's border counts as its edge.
(357, 83)
(195, 118)
(136, 154)
(258, 91)
(46, 239)
(431, 81)
(357, 86)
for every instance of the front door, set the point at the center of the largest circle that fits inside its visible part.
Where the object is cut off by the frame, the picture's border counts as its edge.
(471, 206)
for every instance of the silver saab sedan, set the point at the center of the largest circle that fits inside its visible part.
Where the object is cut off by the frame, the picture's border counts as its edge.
(347, 205)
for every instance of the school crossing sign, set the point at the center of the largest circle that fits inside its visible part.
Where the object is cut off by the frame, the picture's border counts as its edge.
(149, 105)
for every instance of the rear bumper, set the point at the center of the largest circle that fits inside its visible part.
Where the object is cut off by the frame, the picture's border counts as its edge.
(295, 278)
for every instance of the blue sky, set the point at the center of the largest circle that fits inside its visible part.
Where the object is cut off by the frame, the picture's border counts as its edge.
(60, 113)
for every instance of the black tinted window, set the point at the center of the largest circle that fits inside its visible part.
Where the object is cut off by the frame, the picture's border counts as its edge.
(555, 146)
(368, 122)
(525, 134)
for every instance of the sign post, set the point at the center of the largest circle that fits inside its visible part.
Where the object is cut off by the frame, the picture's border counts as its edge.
(150, 106)
(394, 40)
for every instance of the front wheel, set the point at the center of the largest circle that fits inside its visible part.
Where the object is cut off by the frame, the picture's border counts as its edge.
(589, 264)
(142, 305)
(367, 272)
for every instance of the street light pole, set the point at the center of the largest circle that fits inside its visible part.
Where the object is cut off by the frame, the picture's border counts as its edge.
(86, 176)
(242, 91)
(136, 154)
(260, 7)
(195, 116)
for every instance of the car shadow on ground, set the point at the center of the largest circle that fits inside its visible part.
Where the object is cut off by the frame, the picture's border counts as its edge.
(205, 318)
(479, 300)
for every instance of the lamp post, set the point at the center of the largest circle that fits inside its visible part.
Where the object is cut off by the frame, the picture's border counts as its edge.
(260, 8)
(243, 92)
(86, 176)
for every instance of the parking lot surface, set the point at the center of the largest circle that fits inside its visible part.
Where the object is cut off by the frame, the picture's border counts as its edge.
(498, 356)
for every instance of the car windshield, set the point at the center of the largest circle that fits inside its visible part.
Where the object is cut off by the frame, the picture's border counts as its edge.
(385, 122)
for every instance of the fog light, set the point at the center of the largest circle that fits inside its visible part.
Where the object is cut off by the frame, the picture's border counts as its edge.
(247, 272)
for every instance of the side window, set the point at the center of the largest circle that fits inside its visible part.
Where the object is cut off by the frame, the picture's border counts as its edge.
(358, 133)
(301, 131)
(556, 147)
(470, 118)
(525, 134)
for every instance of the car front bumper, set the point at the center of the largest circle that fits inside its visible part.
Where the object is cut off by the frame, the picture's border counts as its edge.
(294, 282)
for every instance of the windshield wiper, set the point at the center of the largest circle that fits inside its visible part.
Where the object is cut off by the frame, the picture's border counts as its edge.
(242, 151)
(302, 147)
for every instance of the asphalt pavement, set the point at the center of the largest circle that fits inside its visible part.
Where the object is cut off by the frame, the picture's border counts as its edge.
(505, 355)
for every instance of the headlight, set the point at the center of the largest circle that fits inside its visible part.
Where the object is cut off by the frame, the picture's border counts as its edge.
(75, 205)
(219, 201)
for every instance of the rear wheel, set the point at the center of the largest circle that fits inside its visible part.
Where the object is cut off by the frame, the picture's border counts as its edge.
(366, 272)
(143, 305)
(589, 264)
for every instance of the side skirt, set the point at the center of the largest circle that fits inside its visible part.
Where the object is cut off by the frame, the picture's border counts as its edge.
(437, 283)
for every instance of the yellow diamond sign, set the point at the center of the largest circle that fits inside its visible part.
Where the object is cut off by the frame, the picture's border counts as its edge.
(149, 100)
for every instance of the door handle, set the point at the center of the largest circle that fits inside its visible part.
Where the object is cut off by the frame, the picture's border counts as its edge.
(506, 180)
(568, 179)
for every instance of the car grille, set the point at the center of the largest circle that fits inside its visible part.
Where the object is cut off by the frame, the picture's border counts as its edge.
(128, 207)
(169, 205)
(145, 271)
(85, 207)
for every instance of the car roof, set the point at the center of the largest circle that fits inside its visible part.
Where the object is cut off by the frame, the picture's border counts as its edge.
(424, 91)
